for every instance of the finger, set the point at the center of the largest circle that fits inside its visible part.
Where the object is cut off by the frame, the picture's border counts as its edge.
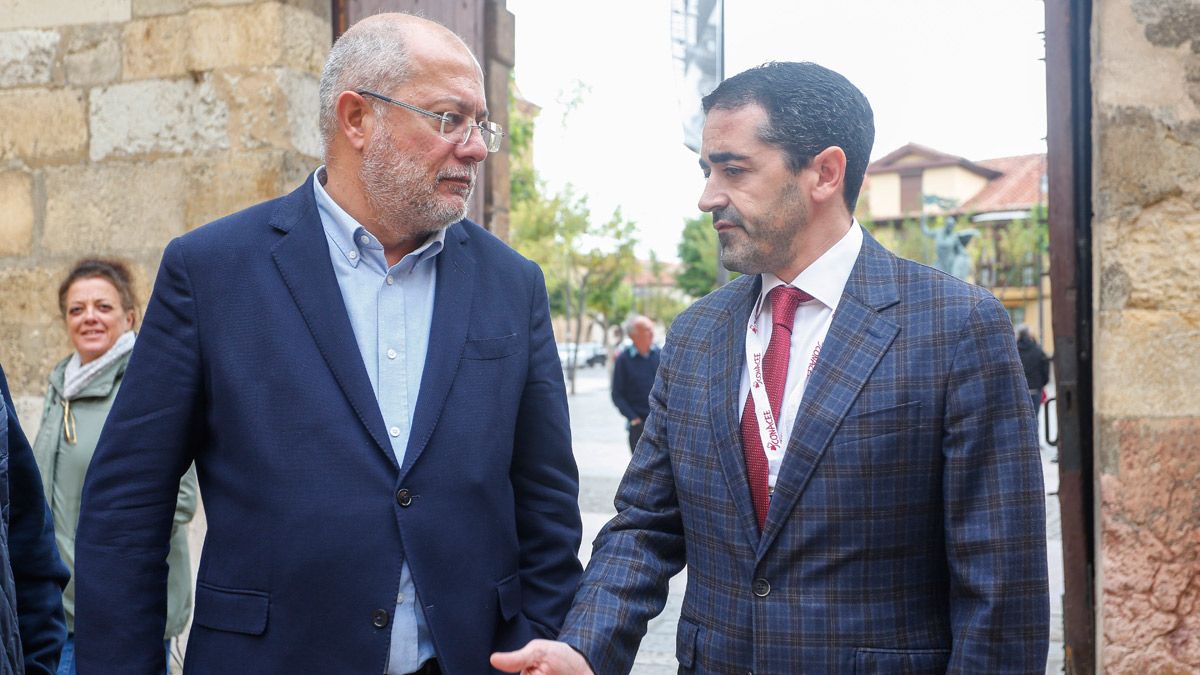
(515, 662)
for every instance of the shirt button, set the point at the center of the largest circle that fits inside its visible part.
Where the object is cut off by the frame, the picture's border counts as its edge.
(391, 353)
(379, 618)
(400, 599)
(394, 431)
(365, 239)
(390, 280)
(761, 588)
(353, 255)
(403, 497)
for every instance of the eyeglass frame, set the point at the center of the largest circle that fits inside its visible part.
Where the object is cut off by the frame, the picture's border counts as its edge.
(495, 131)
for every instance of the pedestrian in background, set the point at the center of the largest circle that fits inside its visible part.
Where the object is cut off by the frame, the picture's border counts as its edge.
(633, 375)
(1036, 365)
(369, 386)
(99, 309)
(838, 445)
(32, 577)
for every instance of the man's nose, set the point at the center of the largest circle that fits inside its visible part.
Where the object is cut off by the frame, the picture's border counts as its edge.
(474, 149)
(711, 198)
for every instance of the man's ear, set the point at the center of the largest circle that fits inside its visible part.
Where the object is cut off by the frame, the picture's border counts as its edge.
(355, 118)
(830, 168)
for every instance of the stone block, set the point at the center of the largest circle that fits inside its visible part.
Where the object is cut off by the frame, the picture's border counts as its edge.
(16, 201)
(157, 117)
(43, 125)
(27, 57)
(307, 37)
(92, 54)
(1122, 77)
(303, 111)
(127, 209)
(1142, 157)
(53, 13)
(1145, 363)
(144, 8)
(220, 185)
(231, 37)
(257, 108)
(155, 47)
(1146, 249)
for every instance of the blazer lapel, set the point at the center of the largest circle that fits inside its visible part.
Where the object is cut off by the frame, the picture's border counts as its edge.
(858, 338)
(447, 335)
(726, 360)
(302, 256)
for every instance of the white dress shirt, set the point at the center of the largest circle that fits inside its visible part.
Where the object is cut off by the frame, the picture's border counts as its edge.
(824, 279)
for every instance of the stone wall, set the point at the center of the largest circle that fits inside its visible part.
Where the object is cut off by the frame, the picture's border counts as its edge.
(127, 123)
(1146, 172)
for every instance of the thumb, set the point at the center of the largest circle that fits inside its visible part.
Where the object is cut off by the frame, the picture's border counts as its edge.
(515, 662)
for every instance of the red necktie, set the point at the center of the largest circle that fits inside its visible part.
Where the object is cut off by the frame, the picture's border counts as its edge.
(784, 301)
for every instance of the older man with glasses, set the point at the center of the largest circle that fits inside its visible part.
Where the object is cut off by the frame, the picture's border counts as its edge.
(369, 387)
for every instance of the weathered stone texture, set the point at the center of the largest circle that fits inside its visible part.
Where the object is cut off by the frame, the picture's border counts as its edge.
(16, 225)
(1155, 272)
(92, 54)
(143, 8)
(303, 106)
(43, 125)
(30, 329)
(1145, 158)
(1131, 69)
(157, 117)
(119, 208)
(27, 57)
(1146, 363)
(50, 13)
(1150, 551)
(267, 34)
(220, 185)
(155, 47)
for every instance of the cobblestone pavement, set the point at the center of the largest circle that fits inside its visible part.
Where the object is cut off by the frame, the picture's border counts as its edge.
(601, 450)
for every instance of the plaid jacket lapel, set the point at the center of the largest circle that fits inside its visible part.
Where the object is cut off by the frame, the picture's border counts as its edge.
(858, 338)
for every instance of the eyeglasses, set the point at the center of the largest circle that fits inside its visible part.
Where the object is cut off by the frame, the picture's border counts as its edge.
(455, 127)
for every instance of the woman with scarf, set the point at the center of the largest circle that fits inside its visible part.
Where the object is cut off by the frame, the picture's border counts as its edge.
(98, 307)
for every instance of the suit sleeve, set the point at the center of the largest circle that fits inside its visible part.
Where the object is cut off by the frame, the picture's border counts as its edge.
(132, 485)
(995, 520)
(38, 572)
(636, 553)
(545, 479)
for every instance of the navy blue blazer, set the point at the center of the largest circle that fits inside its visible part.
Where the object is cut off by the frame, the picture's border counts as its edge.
(32, 576)
(907, 531)
(246, 363)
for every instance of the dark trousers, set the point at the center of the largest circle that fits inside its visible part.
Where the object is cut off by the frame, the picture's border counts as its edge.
(635, 432)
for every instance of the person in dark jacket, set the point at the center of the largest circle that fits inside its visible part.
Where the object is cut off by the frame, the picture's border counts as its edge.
(633, 375)
(1036, 363)
(32, 626)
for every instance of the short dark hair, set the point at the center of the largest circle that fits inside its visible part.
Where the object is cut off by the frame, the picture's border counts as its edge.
(115, 271)
(809, 108)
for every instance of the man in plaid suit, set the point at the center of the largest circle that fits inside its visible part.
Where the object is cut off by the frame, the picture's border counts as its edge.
(897, 524)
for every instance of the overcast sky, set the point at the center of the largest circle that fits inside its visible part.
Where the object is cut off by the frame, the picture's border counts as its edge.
(961, 76)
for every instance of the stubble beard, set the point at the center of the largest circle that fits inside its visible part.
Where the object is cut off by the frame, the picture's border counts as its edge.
(764, 245)
(406, 205)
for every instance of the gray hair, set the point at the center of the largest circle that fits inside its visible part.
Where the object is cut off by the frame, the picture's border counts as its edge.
(374, 56)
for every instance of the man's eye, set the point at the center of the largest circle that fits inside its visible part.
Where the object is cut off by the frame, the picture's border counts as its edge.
(452, 121)
(732, 171)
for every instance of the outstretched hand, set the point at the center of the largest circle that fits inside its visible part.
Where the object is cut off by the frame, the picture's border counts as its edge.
(542, 657)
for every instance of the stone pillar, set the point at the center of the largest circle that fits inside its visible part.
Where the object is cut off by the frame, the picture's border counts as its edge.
(129, 122)
(1146, 173)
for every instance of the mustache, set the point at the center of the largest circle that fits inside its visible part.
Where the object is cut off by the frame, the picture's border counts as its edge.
(457, 174)
(728, 214)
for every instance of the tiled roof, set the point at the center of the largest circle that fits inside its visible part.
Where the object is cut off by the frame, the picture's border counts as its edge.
(1017, 188)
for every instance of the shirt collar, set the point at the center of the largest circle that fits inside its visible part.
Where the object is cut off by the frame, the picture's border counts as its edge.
(825, 279)
(352, 239)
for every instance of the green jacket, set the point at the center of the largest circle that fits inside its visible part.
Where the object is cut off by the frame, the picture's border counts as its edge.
(64, 465)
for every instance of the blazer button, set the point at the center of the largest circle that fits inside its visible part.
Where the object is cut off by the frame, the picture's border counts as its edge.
(379, 618)
(761, 588)
(403, 497)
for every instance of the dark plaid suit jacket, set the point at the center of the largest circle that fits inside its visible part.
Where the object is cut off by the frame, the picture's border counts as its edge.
(907, 529)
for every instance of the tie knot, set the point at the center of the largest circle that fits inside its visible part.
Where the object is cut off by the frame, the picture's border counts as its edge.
(784, 301)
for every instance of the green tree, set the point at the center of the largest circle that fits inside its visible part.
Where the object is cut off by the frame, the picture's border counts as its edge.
(698, 256)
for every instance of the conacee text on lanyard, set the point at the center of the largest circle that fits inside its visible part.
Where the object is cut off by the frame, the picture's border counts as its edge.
(768, 426)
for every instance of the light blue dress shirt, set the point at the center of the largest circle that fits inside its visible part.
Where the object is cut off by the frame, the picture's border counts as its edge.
(391, 309)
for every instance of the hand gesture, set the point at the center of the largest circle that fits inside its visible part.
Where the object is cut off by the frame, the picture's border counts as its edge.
(542, 657)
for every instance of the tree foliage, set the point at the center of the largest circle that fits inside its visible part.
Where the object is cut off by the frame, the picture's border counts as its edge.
(698, 256)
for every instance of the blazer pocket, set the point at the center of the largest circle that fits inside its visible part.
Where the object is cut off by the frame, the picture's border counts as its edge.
(485, 349)
(879, 422)
(232, 610)
(508, 592)
(909, 661)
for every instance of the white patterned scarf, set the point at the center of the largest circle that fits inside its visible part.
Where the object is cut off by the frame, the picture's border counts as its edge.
(79, 376)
